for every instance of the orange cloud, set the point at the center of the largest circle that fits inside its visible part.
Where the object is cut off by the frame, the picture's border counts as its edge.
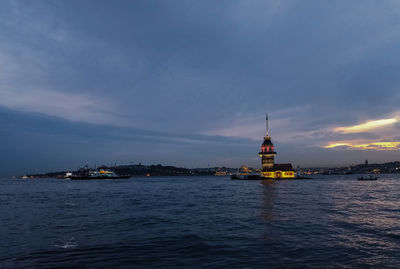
(366, 126)
(372, 145)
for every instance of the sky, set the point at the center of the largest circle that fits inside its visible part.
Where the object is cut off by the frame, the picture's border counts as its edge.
(188, 83)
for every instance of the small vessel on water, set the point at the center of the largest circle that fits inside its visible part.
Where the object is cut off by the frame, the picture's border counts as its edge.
(367, 178)
(96, 174)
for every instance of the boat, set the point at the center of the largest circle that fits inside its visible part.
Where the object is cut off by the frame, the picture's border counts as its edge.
(97, 174)
(367, 178)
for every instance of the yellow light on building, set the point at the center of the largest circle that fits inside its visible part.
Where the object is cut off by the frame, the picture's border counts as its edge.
(269, 168)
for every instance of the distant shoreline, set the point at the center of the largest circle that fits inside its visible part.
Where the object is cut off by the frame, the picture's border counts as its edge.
(161, 170)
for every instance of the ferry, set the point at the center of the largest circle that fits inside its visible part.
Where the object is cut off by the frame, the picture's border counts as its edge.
(96, 174)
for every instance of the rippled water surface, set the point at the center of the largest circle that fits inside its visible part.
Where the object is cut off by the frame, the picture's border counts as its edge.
(200, 222)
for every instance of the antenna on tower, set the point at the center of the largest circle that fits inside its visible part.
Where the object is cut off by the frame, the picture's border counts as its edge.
(266, 119)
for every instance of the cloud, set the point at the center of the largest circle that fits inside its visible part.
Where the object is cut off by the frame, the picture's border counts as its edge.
(365, 146)
(284, 124)
(209, 69)
(295, 126)
(366, 126)
(35, 142)
(70, 106)
(385, 131)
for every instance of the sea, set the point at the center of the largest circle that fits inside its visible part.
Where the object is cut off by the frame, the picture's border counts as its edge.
(200, 222)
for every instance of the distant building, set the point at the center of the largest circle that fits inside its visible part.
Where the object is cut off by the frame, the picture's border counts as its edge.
(244, 170)
(269, 168)
(220, 173)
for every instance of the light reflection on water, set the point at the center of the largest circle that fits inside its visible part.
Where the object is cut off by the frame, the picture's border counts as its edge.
(192, 222)
(368, 215)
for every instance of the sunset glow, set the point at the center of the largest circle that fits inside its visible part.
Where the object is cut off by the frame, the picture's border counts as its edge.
(367, 126)
(372, 145)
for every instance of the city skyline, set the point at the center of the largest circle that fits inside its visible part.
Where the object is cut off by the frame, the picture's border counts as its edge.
(188, 83)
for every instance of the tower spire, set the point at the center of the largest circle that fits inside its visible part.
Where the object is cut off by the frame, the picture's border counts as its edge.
(266, 119)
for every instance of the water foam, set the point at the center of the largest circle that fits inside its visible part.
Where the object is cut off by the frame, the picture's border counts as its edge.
(71, 243)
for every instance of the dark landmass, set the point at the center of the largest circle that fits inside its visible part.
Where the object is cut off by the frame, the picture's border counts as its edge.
(145, 170)
(140, 170)
(366, 168)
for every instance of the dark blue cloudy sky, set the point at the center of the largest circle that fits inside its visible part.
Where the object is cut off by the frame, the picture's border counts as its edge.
(188, 83)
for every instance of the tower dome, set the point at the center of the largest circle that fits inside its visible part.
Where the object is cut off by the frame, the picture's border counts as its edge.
(267, 146)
